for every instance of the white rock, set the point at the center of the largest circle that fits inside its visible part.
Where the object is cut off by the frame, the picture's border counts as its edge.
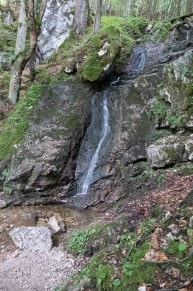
(104, 49)
(53, 224)
(106, 67)
(32, 238)
(191, 222)
(56, 25)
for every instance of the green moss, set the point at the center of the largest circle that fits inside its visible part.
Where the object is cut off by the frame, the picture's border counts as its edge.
(133, 25)
(161, 30)
(16, 123)
(176, 121)
(4, 80)
(78, 239)
(176, 249)
(171, 154)
(8, 37)
(159, 109)
(97, 237)
(135, 271)
(100, 270)
(81, 53)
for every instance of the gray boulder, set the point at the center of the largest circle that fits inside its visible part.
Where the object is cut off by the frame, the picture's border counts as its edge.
(32, 238)
(170, 150)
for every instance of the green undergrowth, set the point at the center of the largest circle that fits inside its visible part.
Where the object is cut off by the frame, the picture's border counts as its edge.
(160, 30)
(117, 266)
(80, 54)
(16, 123)
(124, 265)
(45, 77)
(91, 240)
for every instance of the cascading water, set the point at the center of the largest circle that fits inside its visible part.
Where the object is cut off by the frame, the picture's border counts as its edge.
(105, 129)
(138, 60)
(142, 59)
(188, 34)
(94, 149)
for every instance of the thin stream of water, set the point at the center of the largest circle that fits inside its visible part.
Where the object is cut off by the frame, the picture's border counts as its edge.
(87, 180)
(105, 128)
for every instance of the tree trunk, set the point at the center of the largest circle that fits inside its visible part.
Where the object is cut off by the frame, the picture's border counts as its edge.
(22, 57)
(16, 71)
(81, 18)
(97, 20)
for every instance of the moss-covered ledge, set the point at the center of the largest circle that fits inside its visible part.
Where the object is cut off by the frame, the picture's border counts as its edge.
(93, 57)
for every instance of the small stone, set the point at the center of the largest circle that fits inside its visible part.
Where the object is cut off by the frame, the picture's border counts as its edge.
(190, 236)
(170, 237)
(53, 224)
(104, 49)
(173, 227)
(191, 222)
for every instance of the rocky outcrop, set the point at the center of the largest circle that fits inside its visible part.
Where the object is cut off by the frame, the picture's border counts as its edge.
(32, 238)
(170, 150)
(56, 25)
(149, 126)
(46, 158)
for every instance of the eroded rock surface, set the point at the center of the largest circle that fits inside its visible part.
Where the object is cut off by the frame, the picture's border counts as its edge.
(150, 126)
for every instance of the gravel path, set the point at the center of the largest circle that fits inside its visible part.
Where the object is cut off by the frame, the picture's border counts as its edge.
(37, 271)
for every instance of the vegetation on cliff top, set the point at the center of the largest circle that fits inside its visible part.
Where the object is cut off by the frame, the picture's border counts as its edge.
(116, 38)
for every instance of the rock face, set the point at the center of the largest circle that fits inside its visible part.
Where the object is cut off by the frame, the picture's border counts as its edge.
(170, 150)
(32, 238)
(56, 25)
(49, 150)
(150, 126)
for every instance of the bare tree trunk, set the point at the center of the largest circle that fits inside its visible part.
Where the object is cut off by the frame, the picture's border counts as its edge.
(19, 48)
(97, 20)
(81, 18)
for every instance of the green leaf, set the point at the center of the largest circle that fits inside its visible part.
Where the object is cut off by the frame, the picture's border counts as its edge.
(182, 247)
(99, 281)
(117, 282)
(103, 275)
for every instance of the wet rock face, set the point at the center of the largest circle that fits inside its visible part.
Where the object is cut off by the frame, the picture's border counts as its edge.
(47, 155)
(56, 25)
(150, 126)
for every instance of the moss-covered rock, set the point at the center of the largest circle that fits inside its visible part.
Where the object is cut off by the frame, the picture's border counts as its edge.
(173, 105)
(57, 118)
(116, 39)
(91, 240)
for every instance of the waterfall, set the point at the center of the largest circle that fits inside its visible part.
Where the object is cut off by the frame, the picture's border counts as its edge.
(105, 129)
(142, 59)
(188, 34)
(139, 60)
